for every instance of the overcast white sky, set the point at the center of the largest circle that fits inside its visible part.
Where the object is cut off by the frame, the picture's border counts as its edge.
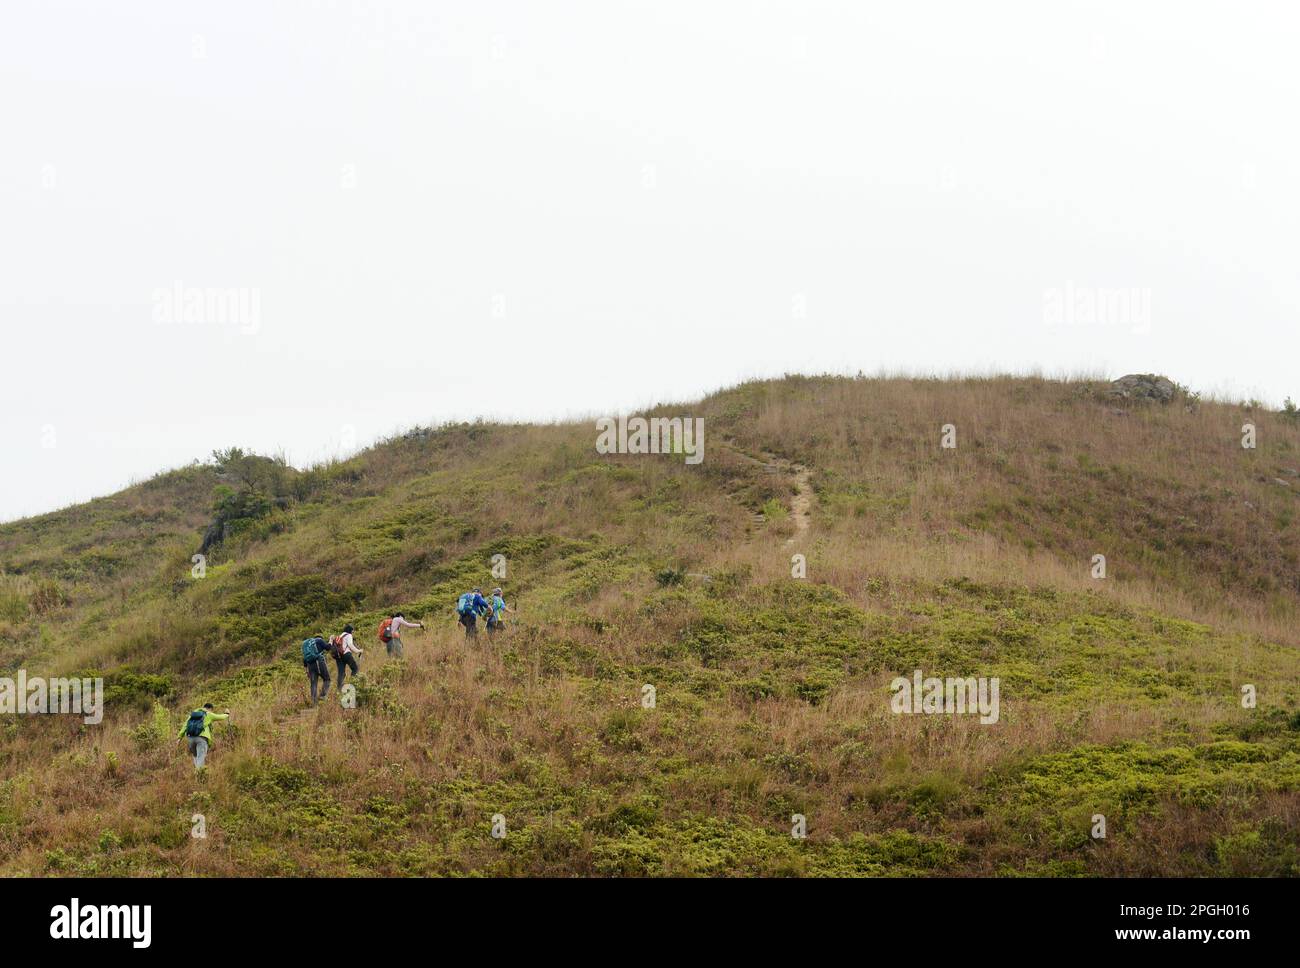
(536, 210)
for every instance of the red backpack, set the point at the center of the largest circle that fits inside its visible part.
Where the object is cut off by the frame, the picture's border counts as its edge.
(384, 634)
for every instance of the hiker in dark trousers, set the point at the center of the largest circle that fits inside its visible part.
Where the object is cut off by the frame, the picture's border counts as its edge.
(314, 651)
(345, 654)
(469, 607)
(497, 616)
(198, 731)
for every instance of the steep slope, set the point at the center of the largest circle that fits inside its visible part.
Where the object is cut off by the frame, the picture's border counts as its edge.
(1119, 697)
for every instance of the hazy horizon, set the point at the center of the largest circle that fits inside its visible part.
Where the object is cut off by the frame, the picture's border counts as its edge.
(306, 226)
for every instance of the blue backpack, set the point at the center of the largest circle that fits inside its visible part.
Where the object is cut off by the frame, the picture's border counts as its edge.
(194, 725)
(310, 650)
(466, 604)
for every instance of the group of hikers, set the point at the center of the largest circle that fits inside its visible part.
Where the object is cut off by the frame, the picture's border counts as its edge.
(345, 652)
(472, 606)
(343, 649)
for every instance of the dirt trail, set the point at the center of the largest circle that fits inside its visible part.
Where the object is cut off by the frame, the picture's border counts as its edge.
(801, 501)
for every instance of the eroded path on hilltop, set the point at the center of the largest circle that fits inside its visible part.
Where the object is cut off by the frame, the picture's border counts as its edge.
(802, 499)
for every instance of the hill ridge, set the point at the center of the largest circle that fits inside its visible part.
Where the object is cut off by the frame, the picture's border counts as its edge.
(1121, 695)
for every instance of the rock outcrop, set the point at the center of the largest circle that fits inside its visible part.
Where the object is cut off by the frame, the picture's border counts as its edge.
(1143, 386)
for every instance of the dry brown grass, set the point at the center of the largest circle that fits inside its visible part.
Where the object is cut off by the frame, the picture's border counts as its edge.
(1045, 475)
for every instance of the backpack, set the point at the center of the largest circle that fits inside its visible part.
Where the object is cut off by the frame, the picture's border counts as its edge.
(336, 646)
(384, 634)
(194, 725)
(466, 604)
(310, 650)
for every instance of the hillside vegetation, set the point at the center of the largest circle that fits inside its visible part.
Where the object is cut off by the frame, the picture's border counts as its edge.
(1120, 696)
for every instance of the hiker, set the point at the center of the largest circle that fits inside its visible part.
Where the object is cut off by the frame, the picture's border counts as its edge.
(497, 616)
(390, 632)
(469, 607)
(314, 651)
(345, 652)
(198, 731)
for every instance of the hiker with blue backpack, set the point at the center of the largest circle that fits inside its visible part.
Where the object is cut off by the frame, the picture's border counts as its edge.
(314, 651)
(469, 607)
(198, 731)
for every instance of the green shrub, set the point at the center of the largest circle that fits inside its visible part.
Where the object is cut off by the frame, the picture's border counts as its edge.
(154, 731)
(285, 609)
(47, 597)
(667, 577)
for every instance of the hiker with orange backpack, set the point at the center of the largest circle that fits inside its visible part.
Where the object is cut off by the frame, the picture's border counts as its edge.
(390, 632)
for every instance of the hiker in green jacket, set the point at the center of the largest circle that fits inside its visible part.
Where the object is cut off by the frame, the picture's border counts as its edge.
(198, 730)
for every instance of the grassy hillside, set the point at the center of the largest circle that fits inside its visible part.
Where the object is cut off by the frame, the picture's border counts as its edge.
(1119, 697)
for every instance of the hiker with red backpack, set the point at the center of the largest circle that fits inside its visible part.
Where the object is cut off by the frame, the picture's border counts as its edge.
(345, 652)
(390, 632)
